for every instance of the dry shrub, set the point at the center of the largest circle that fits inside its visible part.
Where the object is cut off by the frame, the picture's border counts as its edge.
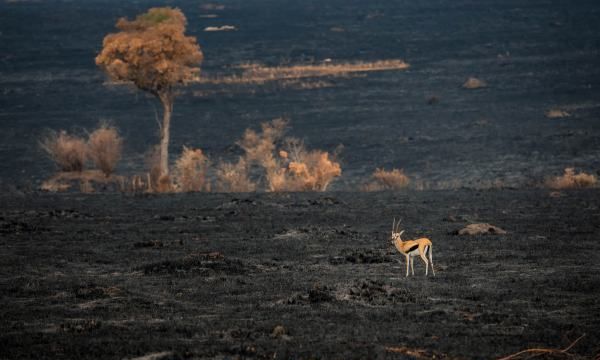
(570, 180)
(190, 171)
(387, 180)
(68, 152)
(234, 177)
(288, 167)
(105, 147)
(312, 171)
(474, 83)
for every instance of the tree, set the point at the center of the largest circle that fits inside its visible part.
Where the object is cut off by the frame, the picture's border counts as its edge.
(153, 53)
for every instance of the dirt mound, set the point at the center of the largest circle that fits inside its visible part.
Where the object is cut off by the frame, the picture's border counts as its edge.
(201, 264)
(361, 256)
(481, 229)
(375, 292)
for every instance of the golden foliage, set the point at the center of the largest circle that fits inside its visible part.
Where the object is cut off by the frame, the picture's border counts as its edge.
(313, 171)
(387, 180)
(570, 180)
(105, 147)
(152, 51)
(291, 168)
(234, 177)
(68, 152)
(190, 171)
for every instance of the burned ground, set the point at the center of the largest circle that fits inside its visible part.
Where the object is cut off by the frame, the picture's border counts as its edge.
(296, 275)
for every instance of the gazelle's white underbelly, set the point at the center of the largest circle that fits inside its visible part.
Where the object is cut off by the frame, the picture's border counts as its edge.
(415, 252)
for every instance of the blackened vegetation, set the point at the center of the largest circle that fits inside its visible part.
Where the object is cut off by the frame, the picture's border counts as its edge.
(220, 276)
(203, 264)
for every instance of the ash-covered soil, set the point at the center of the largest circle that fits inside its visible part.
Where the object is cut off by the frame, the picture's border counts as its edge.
(296, 275)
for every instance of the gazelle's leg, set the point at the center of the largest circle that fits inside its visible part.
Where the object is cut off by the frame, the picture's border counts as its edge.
(412, 265)
(431, 259)
(422, 255)
(407, 260)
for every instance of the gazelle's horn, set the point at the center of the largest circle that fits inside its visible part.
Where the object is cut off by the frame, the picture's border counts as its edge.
(398, 225)
(394, 225)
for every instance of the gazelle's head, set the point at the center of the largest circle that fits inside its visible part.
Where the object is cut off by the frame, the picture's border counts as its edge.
(396, 232)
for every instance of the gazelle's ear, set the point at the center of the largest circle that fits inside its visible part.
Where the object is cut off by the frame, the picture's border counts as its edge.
(401, 232)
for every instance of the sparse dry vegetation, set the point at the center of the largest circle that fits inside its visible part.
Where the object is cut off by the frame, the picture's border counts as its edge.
(190, 171)
(258, 74)
(153, 53)
(571, 180)
(387, 180)
(68, 152)
(283, 164)
(87, 181)
(105, 147)
(234, 177)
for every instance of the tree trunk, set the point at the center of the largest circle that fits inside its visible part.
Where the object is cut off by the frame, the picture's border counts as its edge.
(167, 103)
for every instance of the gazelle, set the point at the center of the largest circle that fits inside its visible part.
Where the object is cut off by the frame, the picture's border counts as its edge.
(412, 248)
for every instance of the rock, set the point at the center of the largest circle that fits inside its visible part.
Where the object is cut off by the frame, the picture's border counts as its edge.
(481, 229)
(474, 83)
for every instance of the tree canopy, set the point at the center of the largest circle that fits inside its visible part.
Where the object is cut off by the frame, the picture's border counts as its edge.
(152, 52)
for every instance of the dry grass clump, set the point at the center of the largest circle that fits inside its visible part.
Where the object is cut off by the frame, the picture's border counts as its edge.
(314, 171)
(279, 164)
(570, 180)
(190, 171)
(68, 152)
(258, 74)
(87, 180)
(556, 114)
(104, 148)
(387, 180)
(474, 83)
(234, 177)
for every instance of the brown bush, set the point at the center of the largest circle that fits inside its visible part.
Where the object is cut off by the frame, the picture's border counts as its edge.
(68, 152)
(282, 164)
(105, 147)
(570, 180)
(387, 180)
(234, 177)
(313, 171)
(190, 171)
